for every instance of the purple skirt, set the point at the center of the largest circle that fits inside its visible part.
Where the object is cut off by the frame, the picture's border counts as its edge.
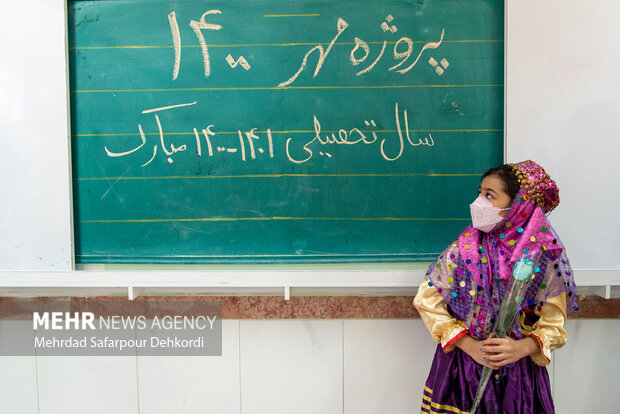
(522, 388)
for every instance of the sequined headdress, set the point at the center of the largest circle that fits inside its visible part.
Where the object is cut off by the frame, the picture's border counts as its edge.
(537, 185)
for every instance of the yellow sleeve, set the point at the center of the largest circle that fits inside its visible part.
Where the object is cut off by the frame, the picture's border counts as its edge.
(444, 328)
(549, 330)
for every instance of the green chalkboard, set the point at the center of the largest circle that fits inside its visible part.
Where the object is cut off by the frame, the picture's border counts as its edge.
(278, 130)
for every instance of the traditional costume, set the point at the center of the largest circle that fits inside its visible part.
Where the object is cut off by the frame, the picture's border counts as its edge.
(464, 288)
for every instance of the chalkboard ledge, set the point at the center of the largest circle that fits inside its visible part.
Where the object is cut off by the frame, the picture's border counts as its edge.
(287, 283)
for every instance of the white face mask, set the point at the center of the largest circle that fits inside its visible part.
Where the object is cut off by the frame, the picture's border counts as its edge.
(484, 215)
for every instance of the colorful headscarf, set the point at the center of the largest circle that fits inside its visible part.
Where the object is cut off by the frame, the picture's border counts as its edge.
(472, 274)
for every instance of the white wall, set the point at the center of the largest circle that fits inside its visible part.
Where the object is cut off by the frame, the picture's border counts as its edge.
(35, 212)
(563, 110)
(292, 366)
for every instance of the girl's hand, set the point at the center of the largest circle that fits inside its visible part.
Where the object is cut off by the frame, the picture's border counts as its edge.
(473, 348)
(503, 351)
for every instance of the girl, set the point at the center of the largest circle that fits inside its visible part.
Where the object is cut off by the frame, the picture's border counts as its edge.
(464, 289)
